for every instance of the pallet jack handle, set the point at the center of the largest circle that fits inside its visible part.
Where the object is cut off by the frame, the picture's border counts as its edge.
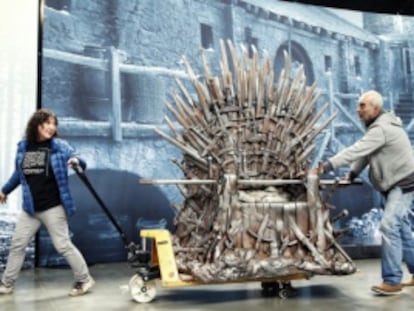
(79, 171)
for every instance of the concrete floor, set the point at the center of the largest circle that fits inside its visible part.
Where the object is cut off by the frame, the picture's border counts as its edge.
(46, 289)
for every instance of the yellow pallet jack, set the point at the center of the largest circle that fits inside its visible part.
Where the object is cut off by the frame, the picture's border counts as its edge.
(159, 263)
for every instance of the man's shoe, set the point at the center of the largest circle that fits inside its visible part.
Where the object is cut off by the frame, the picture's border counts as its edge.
(408, 283)
(385, 289)
(4, 289)
(81, 288)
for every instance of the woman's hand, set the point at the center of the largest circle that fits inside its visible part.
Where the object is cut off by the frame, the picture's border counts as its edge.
(3, 197)
(73, 162)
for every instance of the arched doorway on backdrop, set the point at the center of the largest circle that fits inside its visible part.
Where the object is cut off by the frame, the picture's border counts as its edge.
(298, 56)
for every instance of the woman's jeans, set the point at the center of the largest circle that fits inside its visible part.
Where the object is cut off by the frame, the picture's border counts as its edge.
(56, 224)
(397, 237)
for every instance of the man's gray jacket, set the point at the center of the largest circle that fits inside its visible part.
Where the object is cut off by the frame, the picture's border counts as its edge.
(385, 147)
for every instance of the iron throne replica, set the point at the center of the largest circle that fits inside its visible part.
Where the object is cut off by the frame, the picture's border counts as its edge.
(251, 211)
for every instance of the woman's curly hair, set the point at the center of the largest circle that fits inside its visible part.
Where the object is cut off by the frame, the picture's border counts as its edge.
(38, 118)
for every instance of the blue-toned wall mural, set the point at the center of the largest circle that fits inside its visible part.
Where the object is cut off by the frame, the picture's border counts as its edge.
(109, 67)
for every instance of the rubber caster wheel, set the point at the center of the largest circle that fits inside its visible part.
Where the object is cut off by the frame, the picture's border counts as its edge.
(284, 293)
(141, 291)
(287, 291)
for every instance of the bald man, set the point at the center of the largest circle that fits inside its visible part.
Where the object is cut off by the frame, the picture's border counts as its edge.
(387, 150)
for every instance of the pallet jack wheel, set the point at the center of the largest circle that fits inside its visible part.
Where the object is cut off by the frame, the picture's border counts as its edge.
(281, 289)
(142, 291)
(284, 293)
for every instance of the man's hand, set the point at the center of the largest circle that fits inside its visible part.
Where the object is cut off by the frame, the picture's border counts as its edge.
(3, 198)
(316, 170)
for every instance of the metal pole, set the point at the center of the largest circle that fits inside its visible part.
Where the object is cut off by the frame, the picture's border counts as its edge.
(252, 182)
(116, 118)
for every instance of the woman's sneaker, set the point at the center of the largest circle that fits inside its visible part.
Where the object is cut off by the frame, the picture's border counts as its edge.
(4, 289)
(81, 288)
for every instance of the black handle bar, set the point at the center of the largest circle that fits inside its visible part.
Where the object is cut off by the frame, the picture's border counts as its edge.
(88, 184)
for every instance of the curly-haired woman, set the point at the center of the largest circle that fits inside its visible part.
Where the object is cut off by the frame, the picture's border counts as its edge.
(42, 162)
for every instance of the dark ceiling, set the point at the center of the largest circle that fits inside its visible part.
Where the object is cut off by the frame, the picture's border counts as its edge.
(403, 7)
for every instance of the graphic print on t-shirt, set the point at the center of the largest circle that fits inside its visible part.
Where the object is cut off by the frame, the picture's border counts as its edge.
(36, 162)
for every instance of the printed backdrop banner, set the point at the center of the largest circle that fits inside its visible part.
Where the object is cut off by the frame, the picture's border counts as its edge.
(129, 50)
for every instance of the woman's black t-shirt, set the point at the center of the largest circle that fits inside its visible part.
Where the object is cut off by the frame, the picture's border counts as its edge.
(39, 174)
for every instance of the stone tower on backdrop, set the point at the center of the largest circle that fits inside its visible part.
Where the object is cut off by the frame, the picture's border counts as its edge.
(395, 60)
